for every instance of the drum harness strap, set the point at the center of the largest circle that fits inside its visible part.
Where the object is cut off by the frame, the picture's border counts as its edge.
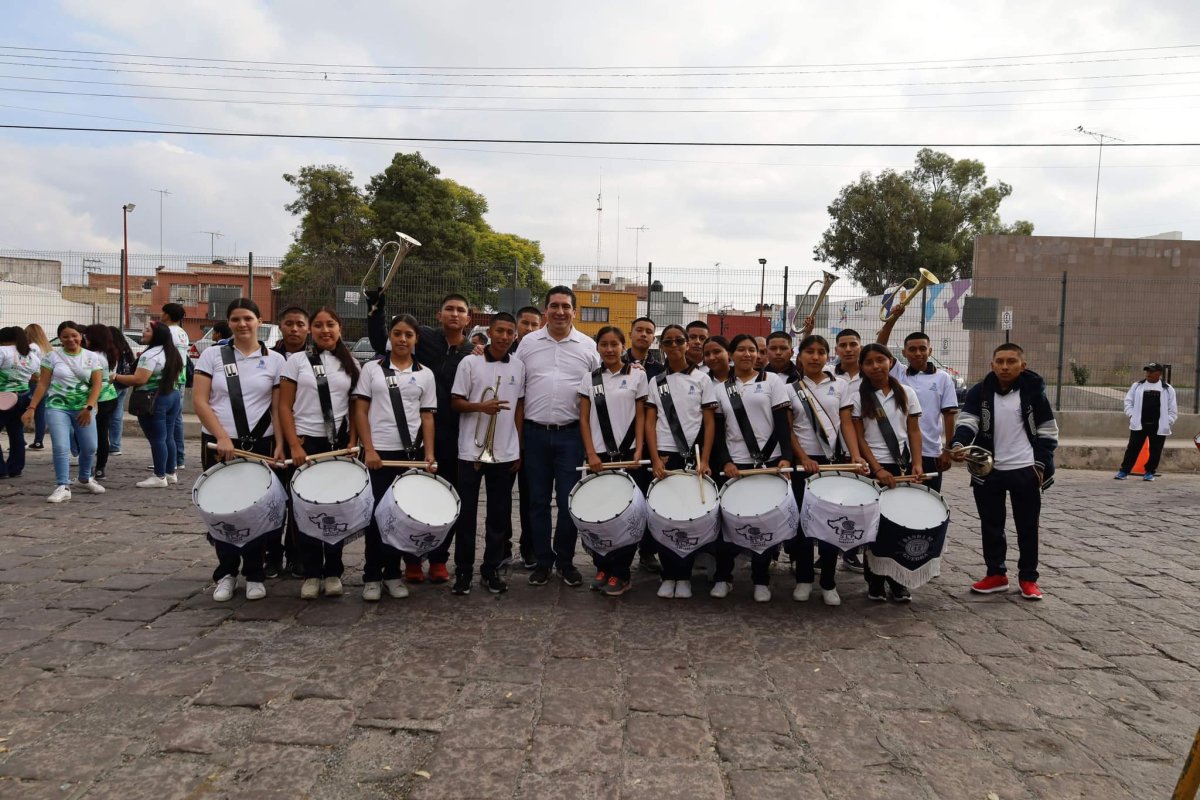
(734, 390)
(246, 437)
(668, 407)
(318, 368)
(610, 442)
(889, 435)
(393, 384)
(833, 452)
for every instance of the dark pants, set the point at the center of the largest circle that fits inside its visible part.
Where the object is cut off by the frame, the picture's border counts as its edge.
(445, 452)
(876, 582)
(525, 543)
(104, 413)
(552, 458)
(616, 563)
(249, 558)
(497, 528)
(1022, 485)
(674, 566)
(1134, 448)
(10, 422)
(619, 562)
(39, 420)
(801, 549)
(382, 560)
(726, 552)
(317, 558)
(929, 464)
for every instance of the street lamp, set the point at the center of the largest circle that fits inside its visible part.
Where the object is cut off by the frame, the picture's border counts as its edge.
(762, 292)
(127, 209)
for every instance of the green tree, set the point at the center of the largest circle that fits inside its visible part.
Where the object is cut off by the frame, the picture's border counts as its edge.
(883, 228)
(335, 229)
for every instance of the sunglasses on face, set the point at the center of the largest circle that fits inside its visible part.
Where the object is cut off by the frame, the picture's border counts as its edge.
(673, 342)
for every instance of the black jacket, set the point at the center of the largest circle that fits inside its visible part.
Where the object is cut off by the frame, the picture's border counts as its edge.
(975, 421)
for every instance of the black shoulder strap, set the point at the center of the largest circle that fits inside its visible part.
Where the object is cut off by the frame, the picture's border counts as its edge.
(808, 402)
(668, 408)
(318, 368)
(606, 429)
(237, 403)
(393, 384)
(899, 456)
(734, 390)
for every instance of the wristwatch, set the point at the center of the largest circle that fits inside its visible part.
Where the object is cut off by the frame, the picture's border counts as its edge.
(89, 408)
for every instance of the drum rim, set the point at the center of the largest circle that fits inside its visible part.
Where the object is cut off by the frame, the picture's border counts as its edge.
(420, 473)
(311, 464)
(214, 469)
(611, 474)
(928, 490)
(714, 511)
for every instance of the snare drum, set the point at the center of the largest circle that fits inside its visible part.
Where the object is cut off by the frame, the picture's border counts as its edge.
(240, 500)
(416, 513)
(678, 519)
(841, 509)
(912, 534)
(758, 511)
(609, 511)
(332, 498)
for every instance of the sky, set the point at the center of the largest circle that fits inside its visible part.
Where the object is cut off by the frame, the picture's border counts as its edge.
(851, 72)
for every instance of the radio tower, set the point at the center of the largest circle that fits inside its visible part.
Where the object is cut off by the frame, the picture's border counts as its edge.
(599, 218)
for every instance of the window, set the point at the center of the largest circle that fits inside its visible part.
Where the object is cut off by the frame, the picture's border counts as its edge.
(184, 294)
(594, 314)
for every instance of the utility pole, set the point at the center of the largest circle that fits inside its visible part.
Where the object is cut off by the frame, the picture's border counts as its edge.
(1100, 138)
(212, 244)
(161, 193)
(637, 236)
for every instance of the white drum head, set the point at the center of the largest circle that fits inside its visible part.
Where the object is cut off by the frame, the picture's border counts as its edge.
(234, 487)
(754, 494)
(600, 498)
(329, 482)
(425, 498)
(913, 507)
(677, 497)
(844, 490)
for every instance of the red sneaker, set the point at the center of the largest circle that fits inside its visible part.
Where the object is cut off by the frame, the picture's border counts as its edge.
(1030, 590)
(438, 573)
(991, 584)
(413, 573)
(599, 581)
(615, 587)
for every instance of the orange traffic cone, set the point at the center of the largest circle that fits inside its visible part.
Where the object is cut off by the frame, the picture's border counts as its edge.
(1139, 466)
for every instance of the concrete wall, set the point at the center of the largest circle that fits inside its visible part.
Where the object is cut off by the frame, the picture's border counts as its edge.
(1114, 425)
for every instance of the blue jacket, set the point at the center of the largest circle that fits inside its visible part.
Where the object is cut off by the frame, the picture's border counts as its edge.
(975, 421)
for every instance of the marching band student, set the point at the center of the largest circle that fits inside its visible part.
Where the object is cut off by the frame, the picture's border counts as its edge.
(19, 364)
(848, 344)
(697, 335)
(612, 422)
(1152, 409)
(70, 382)
(529, 319)
(779, 357)
(885, 420)
(716, 358)
(680, 414)
(314, 413)
(387, 388)
(755, 408)
(817, 399)
(641, 337)
(236, 393)
(502, 375)
(100, 342)
(1008, 413)
(935, 387)
(157, 372)
(293, 329)
(293, 339)
(41, 344)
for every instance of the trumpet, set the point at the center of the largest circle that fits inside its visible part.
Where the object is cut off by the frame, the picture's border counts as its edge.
(487, 444)
(927, 279)
(801, 314)
(403, 245)
(979, 461)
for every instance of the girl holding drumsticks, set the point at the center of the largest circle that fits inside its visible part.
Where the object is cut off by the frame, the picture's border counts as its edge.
(395, 400)
(618, 392)
(885, 420)
(316, 421)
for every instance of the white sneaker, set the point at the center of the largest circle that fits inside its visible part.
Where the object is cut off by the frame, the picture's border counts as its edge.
(171, 477)
(333, 586)
(666, 590)
(721, 590)
(310, 589)
(762, 594)
(74, 461)
(831, 597)
(396, 588)
(372, 591)
(59, 494)
(683, 590)
(802, 592)
(92, 486)
(224, 591)
(255, 590)
(153, 482)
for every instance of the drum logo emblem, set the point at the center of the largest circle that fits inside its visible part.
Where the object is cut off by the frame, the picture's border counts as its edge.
(680, 538)
(843, 528)
(755, 535)
(328, 524)
(424, 541)
(595, 541)
(916, 548)
(232, 533)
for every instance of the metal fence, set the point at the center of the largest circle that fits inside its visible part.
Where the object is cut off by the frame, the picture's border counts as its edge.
(1089, 339)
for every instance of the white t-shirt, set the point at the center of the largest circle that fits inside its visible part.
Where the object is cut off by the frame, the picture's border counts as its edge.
(70, 378)
(1013, 448)
(622, 390)
(936, 392)
(154, 361)
(828, 397)
(476, 374)
(307, 408)
(417, 387)
(852, 382)
(182, 343)
(760, 396)
(895, 415)
(258, 376)
(16, 370)
(553, 370)
(691, 392)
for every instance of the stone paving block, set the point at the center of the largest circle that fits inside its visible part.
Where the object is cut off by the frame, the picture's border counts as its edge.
(580, 672)
(573, 785)
(1042, 752)
(100, 631)
(1079, 787)
(22, 727)
(957, 773)
(493, 694)
(1157, 668)
(750, 750)
(269, 770)
(396, 700)
(14, 639)
(55, 654)
(203, 731)
(996, 712)
(492, 774)
(578, 708)
(336, 613)
(644, 779)
(859, 784)
(306, 722)
(480, 729)
(155, 778)
(370, 761)
(70, 757)
(729, 712)
(141, 609)
(62, 693)
(774, 785)
(560, 751)
(666, 696)
(654, 736)
(249, 689)
(85, 600)
(151, 637)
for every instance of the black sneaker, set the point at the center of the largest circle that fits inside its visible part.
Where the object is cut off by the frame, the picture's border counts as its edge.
(877, 591)
(494, 583)
(900, 594)
(462, 583)
(570, 576)
(650, 563)
(273, 567)
(853, 560)
(540, 576)
(36, 446)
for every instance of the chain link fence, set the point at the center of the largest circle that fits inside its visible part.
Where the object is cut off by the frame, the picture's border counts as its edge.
(1088, 338)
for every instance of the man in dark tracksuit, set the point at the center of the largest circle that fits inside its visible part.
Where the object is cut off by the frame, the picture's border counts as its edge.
(1008, 414)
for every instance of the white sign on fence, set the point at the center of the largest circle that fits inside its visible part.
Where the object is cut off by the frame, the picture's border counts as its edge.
(1006, 319)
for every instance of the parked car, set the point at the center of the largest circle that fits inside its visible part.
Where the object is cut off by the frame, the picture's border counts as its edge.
(268, 333)
(362, 350)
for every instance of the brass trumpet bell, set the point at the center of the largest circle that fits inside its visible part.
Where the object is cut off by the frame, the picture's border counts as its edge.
(979, 461)
(801, 313)
(917, 284)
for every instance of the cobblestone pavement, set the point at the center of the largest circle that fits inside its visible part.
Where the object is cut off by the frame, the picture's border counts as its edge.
(122, 678)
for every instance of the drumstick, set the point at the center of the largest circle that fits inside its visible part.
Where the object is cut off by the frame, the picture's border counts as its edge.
(407, 464)
(252, 456)
(334, 454)
(782, 470)
(616, 465)
(699, 477)
(915, 478)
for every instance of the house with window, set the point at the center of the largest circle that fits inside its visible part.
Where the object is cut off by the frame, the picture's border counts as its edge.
(603, 301)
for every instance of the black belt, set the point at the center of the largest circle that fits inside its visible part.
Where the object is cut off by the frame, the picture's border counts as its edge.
(564, 427)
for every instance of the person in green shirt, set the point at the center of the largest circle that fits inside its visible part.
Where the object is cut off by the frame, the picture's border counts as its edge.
(98, 339)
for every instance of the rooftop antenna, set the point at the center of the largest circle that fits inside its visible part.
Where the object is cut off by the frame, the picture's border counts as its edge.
(1100, 138)
(161, 194)
(599, 218)
(212, 244)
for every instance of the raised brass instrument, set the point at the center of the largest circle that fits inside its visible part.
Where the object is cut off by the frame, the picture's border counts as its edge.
(487, 444)
(403, 245)
(801, 312)
(979, 461)
(927, 279)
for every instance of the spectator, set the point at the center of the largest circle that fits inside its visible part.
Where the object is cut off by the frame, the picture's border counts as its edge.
(1152, 409)
(157, 372)
(38, 341)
